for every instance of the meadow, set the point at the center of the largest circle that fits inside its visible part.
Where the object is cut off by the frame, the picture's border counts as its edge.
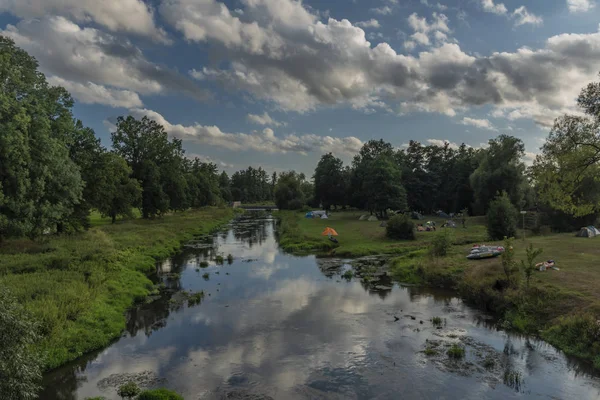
(79, 286)
(559, 306)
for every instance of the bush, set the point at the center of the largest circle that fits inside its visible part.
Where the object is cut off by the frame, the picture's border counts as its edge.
(400, 227)
(502, 218)
(441, 244)
(295, 204)
(128, 390)
(20, 366)
(159, 394)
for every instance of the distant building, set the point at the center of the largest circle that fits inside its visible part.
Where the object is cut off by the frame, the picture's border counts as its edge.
(236, 204)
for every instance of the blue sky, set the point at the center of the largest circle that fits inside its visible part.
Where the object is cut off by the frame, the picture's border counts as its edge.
(277, 83)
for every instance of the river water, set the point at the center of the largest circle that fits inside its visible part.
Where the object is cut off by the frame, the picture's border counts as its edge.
(272, 325)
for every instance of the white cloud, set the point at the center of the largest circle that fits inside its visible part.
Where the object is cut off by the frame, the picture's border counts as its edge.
(580, 5)
(264, 141)
(439, 6)
(132, 16)
(372, 23)
(489, 6)
(523, 17)
(420, 24)
(442, 143)
(385, 10)
(208, 159)
(264, 119)
(90, 93)
(84, 55)
(478, 123)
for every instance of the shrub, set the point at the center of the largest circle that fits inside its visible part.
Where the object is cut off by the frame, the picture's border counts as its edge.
(206, 276)
(441, 244)
(400, 227)
(128, 390)
(430, 351)
(456, 351)
(436, 321)
(502, 218)
(347, 275)
(219, 260)
(159, 394)
(229, 259)
(295, 204)
(20, 366)
(203, 264)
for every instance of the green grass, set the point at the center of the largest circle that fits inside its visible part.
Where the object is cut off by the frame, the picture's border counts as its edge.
(79, 286)
(359, 238)
(456, 352)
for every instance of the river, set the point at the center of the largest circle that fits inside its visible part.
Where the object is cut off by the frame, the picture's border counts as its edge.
(273, 325)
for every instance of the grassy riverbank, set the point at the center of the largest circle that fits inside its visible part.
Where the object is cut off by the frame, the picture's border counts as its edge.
(79, 286)
(562, 307)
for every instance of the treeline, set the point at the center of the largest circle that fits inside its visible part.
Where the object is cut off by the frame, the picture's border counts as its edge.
(425, 178)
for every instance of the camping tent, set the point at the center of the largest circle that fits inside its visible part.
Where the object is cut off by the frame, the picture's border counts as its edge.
(318, 213)
(450, 224)
(586, 232)
(416, 215)
(383, 224)
(363, 217)
(309, 215)
(594, 229)
(324, 216)
(442, 214)
(372, 218)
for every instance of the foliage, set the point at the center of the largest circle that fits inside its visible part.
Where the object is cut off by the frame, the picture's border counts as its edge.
(159, 394)
(436, 321)
(116, 194)
(528, 267)
(348, 275)
(508, 259)
(441, 244)
(252, 185)
(330, 183)
(502, 218)
(40, 183)
(500, 170)
(288, 191)
(20, 364)
(455, 351)
(128, 390)
(400, 227)
(567, 173)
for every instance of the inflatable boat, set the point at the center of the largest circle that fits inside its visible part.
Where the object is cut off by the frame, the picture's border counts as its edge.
(485, 252)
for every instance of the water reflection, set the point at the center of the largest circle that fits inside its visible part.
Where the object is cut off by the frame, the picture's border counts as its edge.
(292, 328)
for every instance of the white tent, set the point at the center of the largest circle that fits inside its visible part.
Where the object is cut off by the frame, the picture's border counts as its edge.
(372, 218)
(324, 216)
(363, 217)
(586, 232)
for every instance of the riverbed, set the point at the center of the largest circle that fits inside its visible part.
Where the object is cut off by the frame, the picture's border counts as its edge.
(276, 326)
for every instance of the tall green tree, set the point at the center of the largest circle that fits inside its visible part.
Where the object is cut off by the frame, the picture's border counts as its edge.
(116, 193)
(501, 169)
(567, 173)
(288, 191)
(382, 186)
(361, 163)
(155, 161)
(40, 183)
(329, 182)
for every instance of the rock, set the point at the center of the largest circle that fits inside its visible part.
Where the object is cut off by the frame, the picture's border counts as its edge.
(396, 318)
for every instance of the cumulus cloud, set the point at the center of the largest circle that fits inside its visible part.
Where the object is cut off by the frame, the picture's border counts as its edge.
(437, 28)
(498, 8)
(264, 119)
(580, 5)
(90, 93)
(132, 16)
(263, 141)
(522, 17)
(442, 143)
(372, 23)
(478, 123)
(83, 55)
(300, 62)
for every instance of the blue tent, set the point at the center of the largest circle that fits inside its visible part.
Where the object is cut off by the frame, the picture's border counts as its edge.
(309, 215)
(442, 214)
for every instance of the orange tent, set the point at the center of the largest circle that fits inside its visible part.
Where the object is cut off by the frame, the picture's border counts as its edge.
(329, 231)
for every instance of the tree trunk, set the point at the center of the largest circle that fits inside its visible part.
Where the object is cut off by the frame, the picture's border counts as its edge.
(113, 216)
